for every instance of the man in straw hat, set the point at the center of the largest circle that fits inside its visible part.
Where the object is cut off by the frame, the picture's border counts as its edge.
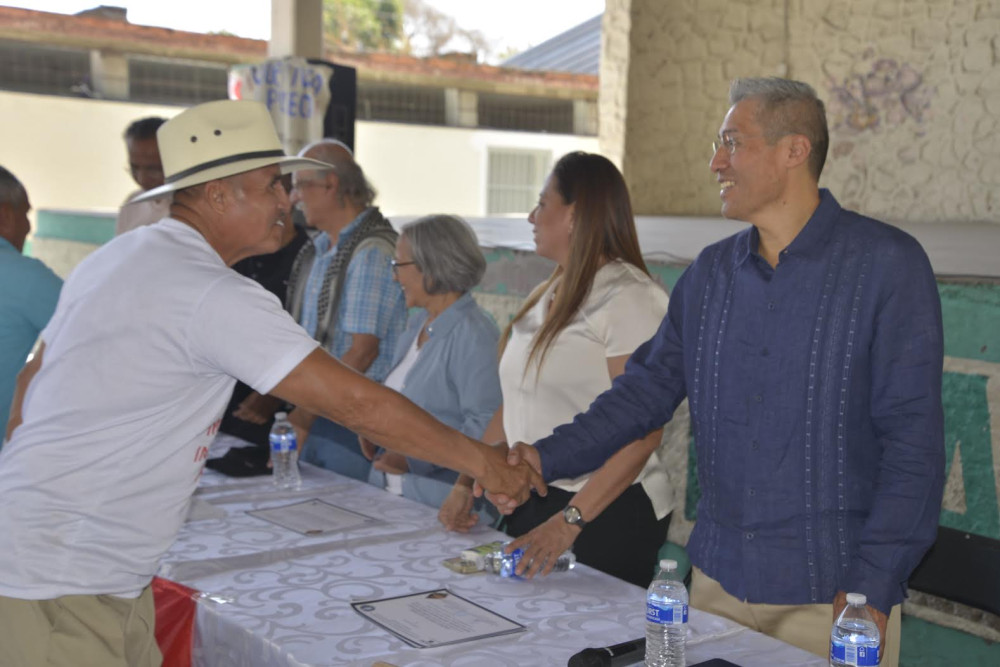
(112, 419)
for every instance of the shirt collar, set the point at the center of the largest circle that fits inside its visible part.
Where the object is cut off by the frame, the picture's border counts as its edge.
(5, 244)
(349, 229)
(323, 242)
(444, 322)
(813, 237)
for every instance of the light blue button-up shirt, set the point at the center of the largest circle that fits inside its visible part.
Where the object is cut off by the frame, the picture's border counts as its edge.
(29, 291)
(455, 375)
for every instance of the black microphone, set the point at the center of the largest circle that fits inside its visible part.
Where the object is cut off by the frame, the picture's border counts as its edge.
(626, 653)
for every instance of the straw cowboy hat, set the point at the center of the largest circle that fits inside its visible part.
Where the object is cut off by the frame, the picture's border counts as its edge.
(219, 139)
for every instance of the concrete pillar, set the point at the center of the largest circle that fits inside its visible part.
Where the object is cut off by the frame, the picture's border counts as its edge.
(109, 74)
(461, 108)
(665, 72)
(296, 29)
(584, 117)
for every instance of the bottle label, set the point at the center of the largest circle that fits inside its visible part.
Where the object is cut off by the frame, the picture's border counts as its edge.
(666, 614)
(508, 568)
(282, 443)
(849, 654)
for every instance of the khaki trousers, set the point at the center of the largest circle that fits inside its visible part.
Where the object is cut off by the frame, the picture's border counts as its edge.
(79, 631)
(806, 626)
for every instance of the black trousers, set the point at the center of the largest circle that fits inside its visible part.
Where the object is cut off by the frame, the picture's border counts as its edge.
(623, 541)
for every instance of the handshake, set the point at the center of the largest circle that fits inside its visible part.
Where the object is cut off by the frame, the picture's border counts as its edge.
(508, 476)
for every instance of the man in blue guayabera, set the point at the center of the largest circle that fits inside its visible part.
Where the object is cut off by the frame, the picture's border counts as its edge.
(810, 348)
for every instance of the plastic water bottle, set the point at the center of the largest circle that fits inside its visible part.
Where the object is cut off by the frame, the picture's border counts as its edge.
(284, 453)
(666, 618)
(504, 564)
(855, 638)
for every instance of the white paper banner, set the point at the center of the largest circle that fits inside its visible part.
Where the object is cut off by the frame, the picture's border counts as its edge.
(296, 93)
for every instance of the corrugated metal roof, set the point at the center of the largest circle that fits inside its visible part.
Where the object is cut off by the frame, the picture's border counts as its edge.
(577, 50)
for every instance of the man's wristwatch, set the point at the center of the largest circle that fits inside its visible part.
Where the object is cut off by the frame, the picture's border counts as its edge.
(573, 517)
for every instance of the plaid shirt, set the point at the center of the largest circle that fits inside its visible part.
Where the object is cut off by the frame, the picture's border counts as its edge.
(372, 301)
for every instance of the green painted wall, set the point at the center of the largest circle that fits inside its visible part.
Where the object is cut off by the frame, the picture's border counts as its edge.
(74, 226)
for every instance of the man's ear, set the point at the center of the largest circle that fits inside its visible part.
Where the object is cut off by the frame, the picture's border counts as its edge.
(217, 194)
(6, 221)
(799, 149)
(332, 181)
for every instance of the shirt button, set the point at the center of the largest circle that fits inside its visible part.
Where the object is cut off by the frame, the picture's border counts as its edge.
(758, 398)
(749, 536)
(770, 305)
(754, 445)
(752, 493)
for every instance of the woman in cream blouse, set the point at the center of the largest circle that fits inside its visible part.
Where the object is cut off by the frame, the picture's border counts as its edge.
(572, 336)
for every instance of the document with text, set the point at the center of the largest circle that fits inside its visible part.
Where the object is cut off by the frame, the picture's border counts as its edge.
(435, 618)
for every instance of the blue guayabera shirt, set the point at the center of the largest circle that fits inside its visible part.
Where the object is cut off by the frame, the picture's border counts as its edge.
(815, 394)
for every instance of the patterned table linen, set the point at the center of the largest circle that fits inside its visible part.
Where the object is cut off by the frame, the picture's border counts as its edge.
(285, 596)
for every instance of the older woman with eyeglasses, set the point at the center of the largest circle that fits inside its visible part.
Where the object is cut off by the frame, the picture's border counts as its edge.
(445, 361)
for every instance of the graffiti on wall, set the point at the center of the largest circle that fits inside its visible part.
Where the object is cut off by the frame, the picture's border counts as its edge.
(884, 93)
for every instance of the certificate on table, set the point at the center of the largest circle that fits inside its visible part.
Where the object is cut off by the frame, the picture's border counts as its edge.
(313, 517)
(435, 618)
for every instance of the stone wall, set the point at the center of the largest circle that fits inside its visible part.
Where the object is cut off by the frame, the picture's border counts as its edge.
(912, 92)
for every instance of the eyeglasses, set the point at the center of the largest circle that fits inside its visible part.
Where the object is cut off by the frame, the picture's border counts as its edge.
(731, 143)
(395, 265)
(301, 185)
(727, 142)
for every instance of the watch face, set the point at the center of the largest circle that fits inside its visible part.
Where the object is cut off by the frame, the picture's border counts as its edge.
(571, 514)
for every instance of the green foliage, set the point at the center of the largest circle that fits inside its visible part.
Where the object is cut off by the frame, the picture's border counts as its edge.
(364, 25)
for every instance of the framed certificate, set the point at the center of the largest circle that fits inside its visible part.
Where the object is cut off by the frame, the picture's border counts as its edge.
(435, 618)
(313, 517)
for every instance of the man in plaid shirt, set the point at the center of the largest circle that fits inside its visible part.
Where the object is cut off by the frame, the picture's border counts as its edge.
(342, 291)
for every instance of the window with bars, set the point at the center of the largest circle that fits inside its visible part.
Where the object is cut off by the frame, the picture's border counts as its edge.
(34, 68)
(532, 114)
(514, 177)
(176, 82)
(401, 103)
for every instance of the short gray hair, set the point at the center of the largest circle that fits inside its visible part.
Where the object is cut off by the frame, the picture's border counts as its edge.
(447, 252)
(12, 193)
(353, 185)
(787, 107)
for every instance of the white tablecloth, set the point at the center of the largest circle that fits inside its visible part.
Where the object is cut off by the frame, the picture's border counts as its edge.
(282, 599)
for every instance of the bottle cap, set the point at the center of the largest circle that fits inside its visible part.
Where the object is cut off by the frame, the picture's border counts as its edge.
(278, 416)
(668, 564)
(857, 598)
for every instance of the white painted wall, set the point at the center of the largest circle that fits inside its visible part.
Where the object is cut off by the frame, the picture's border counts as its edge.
(69, 154)
(427, 169)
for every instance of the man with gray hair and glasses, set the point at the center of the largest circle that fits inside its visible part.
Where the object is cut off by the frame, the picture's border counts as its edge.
(28, 290)
(810, 349)
(342, 292)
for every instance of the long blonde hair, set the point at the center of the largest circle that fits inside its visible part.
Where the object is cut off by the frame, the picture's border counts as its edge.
(603, 231)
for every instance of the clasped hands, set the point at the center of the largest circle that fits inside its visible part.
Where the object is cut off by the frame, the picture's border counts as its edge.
(544, 544)
(521, 455)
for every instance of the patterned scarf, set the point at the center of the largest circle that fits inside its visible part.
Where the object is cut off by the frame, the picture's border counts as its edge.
(372, 225)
